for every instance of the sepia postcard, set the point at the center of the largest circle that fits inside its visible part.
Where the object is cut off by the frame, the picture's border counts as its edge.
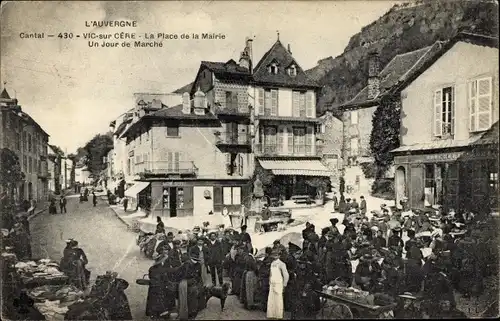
(226, 160)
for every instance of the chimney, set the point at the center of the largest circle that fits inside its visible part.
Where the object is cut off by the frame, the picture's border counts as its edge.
(289, 50)
(186, 103)
(244, 60)
(200, 102)
(249, 50)
(373, 75)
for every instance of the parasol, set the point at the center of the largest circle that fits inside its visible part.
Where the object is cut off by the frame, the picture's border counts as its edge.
(293, 237)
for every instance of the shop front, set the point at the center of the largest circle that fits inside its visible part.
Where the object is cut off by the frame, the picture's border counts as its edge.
(461, 178)
(293, 177)
(182, 198)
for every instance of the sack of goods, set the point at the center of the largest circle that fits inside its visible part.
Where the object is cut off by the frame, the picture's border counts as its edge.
(44, 268)
(66, 293)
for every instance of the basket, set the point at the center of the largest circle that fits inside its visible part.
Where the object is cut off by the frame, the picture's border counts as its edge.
(143, 281)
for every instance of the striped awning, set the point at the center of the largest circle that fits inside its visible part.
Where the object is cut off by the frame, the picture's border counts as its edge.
(296, 167)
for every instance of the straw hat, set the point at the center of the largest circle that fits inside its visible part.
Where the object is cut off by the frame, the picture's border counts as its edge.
(408, 295)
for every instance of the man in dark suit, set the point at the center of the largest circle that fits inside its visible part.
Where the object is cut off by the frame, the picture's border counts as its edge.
(362, 205)
(245, 237)
(215, 258)
(200, 251)
(167, 244)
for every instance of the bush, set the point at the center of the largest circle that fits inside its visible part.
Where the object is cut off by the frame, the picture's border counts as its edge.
(369, 170)
(383, 188)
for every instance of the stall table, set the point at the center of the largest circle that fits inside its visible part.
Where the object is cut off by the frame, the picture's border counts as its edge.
(339, 307)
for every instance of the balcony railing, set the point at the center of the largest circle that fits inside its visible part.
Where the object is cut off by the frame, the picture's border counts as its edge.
(166, 168)
(233, 139)
(281, 150)
(232, 110)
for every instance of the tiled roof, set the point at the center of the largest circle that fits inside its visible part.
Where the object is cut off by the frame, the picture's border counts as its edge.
(400, 67)
(438, 144)
(226, 69)
(490, 136)
(284, 58)
(168, 113)
(186, 88)
(176, 113)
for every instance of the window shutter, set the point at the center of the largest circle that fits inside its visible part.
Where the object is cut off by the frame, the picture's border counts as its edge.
(226, 195)
(309, 104)
(290, 140)
(260, 107)
(169, 161)
(281, 139)
(236, 195)
(309, 140)
(274, 102)
(484, 102)
(240, 165)
(472, 105)
(438, 128)
(295, 103)
(267, 103)
(452, 106)
(302, 105)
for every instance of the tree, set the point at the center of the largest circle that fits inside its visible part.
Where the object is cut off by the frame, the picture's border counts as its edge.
(10, 171)
(91, 155)
(384, 137)
(57, 150)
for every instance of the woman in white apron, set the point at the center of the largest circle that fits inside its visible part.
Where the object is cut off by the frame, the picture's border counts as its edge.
(278, 280)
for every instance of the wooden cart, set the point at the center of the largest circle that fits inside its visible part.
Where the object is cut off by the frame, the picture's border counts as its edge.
(338, 307)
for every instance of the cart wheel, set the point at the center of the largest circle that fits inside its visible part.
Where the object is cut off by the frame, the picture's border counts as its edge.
(183, 300)
(332, 310)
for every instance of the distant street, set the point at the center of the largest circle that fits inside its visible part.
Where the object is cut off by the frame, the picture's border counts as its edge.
(110, 246)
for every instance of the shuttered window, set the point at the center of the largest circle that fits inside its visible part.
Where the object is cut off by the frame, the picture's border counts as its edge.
(281, 139)
(309, 140)
(480, 104)
(302, 105)
(290, 140)
(310, 104)
(295, 103)
(274, 102)
(437, 113)
(240, 165)
(260, 107)
(299, 140)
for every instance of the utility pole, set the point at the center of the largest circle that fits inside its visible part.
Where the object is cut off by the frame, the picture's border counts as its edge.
(65, 168)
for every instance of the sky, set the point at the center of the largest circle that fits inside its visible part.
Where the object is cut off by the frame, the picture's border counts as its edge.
(74, 91)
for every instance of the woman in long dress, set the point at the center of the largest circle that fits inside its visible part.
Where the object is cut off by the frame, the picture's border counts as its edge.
(278, 280)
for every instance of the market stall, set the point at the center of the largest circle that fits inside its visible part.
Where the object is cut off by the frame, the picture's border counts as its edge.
(351, 303)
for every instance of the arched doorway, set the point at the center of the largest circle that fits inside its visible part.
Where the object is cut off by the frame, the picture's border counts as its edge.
(400, 184)
(30, 191)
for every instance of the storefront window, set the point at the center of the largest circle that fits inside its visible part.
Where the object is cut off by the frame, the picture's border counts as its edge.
(434, 189)
(429, 187)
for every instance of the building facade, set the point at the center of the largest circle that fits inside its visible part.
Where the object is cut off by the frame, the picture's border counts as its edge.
(329, 144)
(449, 105)
(24, 136)
(54, 160)
(357, 114)
(285, 121)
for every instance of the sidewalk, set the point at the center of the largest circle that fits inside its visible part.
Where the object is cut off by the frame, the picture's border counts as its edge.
(39, 210)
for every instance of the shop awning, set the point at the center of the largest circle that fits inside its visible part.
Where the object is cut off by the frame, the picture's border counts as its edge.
(136, 189)
(439, 144)
(296, 167)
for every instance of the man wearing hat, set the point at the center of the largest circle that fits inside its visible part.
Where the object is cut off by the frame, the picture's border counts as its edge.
(362, 205)
(367, 272)
(395, 241)
(333, 227)
(407, 307)
(215, 258)
(245, 237)
(200, 251)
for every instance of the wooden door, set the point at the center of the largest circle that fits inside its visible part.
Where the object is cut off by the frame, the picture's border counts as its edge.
(417, 186)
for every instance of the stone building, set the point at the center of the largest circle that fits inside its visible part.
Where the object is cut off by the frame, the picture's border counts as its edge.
(357, 114)
(329, 144)
(26, 138)
(449, 146)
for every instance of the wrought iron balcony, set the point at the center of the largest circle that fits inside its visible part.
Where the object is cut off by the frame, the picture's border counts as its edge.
(237, 111)
(166, 168)
(281, 150)
(234, 139)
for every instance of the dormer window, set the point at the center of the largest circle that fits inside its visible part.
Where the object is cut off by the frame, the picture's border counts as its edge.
(273, 69)
(292, 71)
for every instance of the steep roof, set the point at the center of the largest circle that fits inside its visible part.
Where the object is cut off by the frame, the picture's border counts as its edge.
(226, 69)
(183, 89)
(5, 94)
(278, 53)
(398, 68)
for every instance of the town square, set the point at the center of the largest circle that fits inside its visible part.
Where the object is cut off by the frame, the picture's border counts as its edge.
(222, 160)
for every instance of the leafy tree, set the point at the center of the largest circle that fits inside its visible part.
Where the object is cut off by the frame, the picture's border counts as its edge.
(57, 150)
(10, 170)
(384, 137)
(321, 184)
(91, 155)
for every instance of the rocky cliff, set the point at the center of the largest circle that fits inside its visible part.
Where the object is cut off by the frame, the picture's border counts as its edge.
(404, 28)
